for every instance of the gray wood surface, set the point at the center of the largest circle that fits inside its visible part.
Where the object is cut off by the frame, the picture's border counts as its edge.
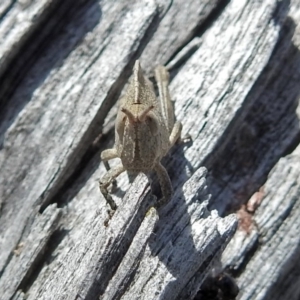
(235, 72)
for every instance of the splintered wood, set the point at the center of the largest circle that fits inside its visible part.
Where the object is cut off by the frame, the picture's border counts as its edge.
(234, 70)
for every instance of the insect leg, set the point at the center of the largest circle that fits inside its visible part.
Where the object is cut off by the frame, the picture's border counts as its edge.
(165, 183)
(162, 79)
(175, 133)
(107, 155)
(106, 180)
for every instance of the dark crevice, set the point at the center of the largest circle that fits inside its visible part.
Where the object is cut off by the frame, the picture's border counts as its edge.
(165, 12)
(85, 151)
(203, 273)
(120, 247)
(56, 194)
(7, 10)
(277, 15)
(44, 257)
(93, 149)
(84, 166)
(220, 287)
(256, 138)
(131, 274)
(199, 30)
(9, 257)
(203, 270)
(23, 57)
(292, 146)
(184, 57)
(246, 259)
(287, 279)
(214, 15)
(29, 53)
(42, 39)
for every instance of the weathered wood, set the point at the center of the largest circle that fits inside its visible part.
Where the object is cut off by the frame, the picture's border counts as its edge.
(99, 249)
(264, 252)
(59, 101)
(273, 227)
(24, 29)
(29, 252)
(172, 256)
(179, 24)
(18, 21)
(236, 96)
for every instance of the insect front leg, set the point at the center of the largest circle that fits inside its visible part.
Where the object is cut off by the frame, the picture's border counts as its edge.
(106, 180)
(175, 133)
(107, 155)
(165, 183)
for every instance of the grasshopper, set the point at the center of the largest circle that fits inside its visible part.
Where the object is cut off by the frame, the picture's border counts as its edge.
(145, 130)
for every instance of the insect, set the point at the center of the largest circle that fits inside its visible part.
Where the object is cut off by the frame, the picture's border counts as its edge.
(145, 130)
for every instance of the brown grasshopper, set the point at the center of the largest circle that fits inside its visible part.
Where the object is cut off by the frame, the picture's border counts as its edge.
(145, 130)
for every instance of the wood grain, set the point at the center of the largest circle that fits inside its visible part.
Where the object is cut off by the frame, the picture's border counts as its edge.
(234, 78)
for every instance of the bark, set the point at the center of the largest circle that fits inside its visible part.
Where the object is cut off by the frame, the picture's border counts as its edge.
(235, 71)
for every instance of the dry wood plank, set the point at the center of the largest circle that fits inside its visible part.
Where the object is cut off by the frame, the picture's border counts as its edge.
(5, 7)
(187, 240)
(84, 270)
(42, 283)
(264, 252)
(179, 24)
(65, 108)
(19, 19)
(272, 272)
(24, 29)
(22, 128)
(277, 220)
(29, 251)
(264, 131)
(280, 103)
(213, 91)
(185, 222)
